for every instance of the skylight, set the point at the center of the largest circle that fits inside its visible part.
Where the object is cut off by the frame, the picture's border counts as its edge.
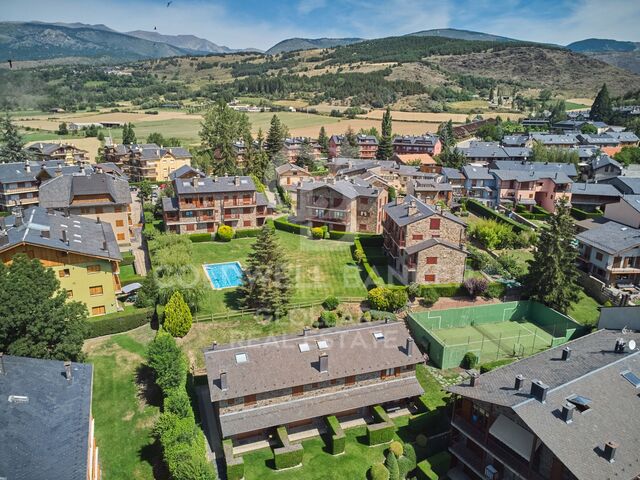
(241, 358)
(378, 335)
(581, 403)
(304, 347)
(322, 344)
(632, 378)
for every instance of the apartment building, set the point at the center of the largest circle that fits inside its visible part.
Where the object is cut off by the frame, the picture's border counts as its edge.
(82, 252)
(424, 244)
(147, 161)
(534, 187)
(589, 196)
(562, 414)
(293, 146)
(202, 204)
(92, 195)
(65, 152)
(352, 205)
(417, 144)
(296, 380)
(288, 176)
(47, 422)
(367, 146)
(431, 191)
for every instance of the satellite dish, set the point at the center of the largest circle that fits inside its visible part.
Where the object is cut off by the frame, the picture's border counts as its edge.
(632, 344)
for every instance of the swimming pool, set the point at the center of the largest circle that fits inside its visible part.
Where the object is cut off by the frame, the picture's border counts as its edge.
(224, 275)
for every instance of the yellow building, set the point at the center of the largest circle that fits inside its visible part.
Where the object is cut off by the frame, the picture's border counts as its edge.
(83, 253)
(147, 161)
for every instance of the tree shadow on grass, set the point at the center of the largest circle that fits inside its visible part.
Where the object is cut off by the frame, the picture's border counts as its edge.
(152, 454)
(232, 299)
(148, 391)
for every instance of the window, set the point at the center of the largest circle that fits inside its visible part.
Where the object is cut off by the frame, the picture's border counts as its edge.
(434, 224)
(241, 358)
(430, 277)
(93, 268)
(64, 273)
(304, 347)
(69, 293)
(250, 400)
(96, 290)
(378, 335)
(599, 256)
(101, 310)
(120, 236)
(416, 236)
(119, 223)
(99, 210)
(432, 260)
(246, 223)
(581, 403)
(631, 378)
(297, 391)
(363, 226)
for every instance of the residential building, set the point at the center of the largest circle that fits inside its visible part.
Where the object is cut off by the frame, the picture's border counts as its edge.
(626, 185)
(589, 196)
(47, 422)
(470, 129)
(431, 191)
(625, 210)
(424, 244)
(569, 169)
(297, 380)
(67, 152)
(82, 252)
(353, 205)
(517, 140)
(95, 195)
(367, 146)
(625, 139)
(147, 161)
(490, 151)
(202, 204)
(454, 177)
(421, 144)
(598, 139)
(610, 251)
(416, 159)
(562, 414)
(288, 176)
(535, 187)
(603, 167)
(535, 123)
(567, 140)
(293, 146)
(479, 184)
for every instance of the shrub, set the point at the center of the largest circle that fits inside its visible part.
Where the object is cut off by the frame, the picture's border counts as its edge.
(413, 290)
(378, 472)
(285, 226)
(405, 465)
(288, 457)
(177, 316)
(430, 296)
(487, 367)
(366, 316)
(378, 315)
(389, 299)
(378, 299)
(338, 438)
(410, 453)
(445, 289)
(247, 233)
(317, 233)
(425, 473)
(486, 212)
(512, 266)
(200, 237)
(328, 319)
(167, 361)
(358, 255)
(178, 403)
(397, 448)
(470, 360)
(344, 236)
(224, 233)
(496, 290)
(331, 303)
(492, 234)
(119, 322)
(475, 286)
(421, 440)
(391, 462)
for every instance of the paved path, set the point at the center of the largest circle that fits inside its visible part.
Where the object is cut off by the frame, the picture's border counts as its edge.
(141, 258)
(215, 453)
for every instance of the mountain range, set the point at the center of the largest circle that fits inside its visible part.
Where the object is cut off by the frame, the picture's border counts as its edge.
(188, 42)
(621, 54)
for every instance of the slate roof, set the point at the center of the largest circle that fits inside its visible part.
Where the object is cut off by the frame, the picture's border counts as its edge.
(553, 139)
(183, 170)
(598, 139)
(611, 237)
(215, 185)
(452, 173)
(515, 140)
(627, 185)
(427, 140)
(170, 204)
(47, 148)
(85, 236)
(19, 172)
(633, 201)
(599, 189)
(568, 168)
(399, 213)
(532, 175)
(288, 167)
(352, 188)
(47, 436)
(602, 161)
(626, 137)
(275, 363)
(361, 139)
(432, 185)
(472, 172)
(63, 191)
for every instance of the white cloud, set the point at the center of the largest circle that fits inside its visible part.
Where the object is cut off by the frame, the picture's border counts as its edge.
(307, 6)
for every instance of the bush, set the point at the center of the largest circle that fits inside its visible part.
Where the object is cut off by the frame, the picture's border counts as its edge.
(487, 367)
(496, 290)
(366, 316)
(327, 319)
(583, 215)
(247, 233)
(425, 473)
(475, 286)
(512, 266)
(200, 237)
(486, 212)
(378, 472)
(445, 289)
(383, 430)
(331, 303)
(224, 233)
(317, 233)
(119, 322)
(413, 290)
(396, 448)
(430, 296)
(405, 465)
(288, 457)
(285, 226)
(167, 361)
(389, 299)
(470, 360)
(177, 316)
(410, 454)
(378, 298)
(379, 315)
(344, 236)
(491, 234)
(178, 403)
(338, 438)
(127, 259)
(391, 462)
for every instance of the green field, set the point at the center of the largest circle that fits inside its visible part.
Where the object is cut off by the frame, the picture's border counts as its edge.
(318, 268)
(575, 106)
(585, 310)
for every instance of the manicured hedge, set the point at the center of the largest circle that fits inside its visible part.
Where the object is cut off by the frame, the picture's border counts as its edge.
(247, 233)
(234, 466)
(287, 455)
(200, 237)
(370, 240)
(119, 322)
(338, 438)
(375, 278)
(486, 212)
(494, 289)
(579, 214)
(127, 259)
(487, 367)
(286, 226)
(344, 236)
(383, 430)
(434, 467)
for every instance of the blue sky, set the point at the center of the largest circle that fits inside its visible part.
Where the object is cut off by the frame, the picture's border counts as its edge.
(262, 23)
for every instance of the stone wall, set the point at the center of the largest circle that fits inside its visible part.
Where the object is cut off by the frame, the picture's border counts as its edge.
(448, 269)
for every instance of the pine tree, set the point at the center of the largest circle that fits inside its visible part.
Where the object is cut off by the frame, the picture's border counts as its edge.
(128, 135)
(266, 283)
(445, 132)
(385, 147)
(391, 463)
(349, 145)
(275, 137)
(601, 110)
(177, 316)
(323, 141)
(11, 143)
(552, 277)
(305, 155)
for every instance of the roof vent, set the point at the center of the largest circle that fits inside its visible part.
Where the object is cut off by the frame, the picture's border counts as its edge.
(567, 412)
(45, 234)
(539, 390)
(305, 331)
(67, 371)
(410, 343)
(65, 238)
(566, 353)
(474, 379)
(18, 399)
(324, 363)
(519, 382)
(224, 385)
(610, 451)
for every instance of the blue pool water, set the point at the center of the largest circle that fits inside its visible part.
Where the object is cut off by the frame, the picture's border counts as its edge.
(224, 275)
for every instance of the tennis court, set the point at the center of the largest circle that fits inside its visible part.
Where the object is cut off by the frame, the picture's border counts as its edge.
(492, 332)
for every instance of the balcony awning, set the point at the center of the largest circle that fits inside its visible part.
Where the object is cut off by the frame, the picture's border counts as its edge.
(513, 435)
(526, 201)
(132, 287)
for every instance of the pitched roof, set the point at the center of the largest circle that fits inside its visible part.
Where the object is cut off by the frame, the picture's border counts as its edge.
(48, 435)
(553, 139)
(427, 140)
(353, 188)
(184, 170)
(399, 212)
(215, 185)
(473, 172)
(452, 173)
(627, 185)
(531, 175)
(567, 168)
(599, 189)
(602, 161)
(40, 227)
(611, 237)
(423, 158)
(274, 363)
(633, 201)
(67, 190)
(290, 167)
(431, 185)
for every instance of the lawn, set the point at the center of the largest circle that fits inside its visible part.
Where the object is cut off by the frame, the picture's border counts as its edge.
(585, 310)
(128, 275)
(124, 408)
(318, 267)
(575, 106)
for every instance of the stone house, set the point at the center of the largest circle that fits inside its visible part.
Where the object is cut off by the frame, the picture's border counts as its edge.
(431, 190)
(288, 176)
(297, 380)
(66, 152)
(417, 144)
(367, 146)
(424, 244)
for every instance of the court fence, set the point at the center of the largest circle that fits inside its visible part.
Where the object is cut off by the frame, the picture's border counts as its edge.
(492, 332)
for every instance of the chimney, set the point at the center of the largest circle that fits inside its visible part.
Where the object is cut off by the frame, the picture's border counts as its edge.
(2, 372)
(214, 345)
(305, 331)
(58, 171)
(620, 344)
(98, 219)
(539, 390)
(566, 353)
(215, 178)
(67, 371)
(236, 181)
(413, 209)
(65, 239)
(409, 347)
(194, 181)
(474, 379)
(399, 200)
(610, 451)
(27, 166)
(324, 363)
(17, 213)
(519, 382)
(104, 246)
(223, 381)
(567, 412)
(45, 234)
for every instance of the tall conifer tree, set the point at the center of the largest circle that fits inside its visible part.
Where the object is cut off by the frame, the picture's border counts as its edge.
(385, 147)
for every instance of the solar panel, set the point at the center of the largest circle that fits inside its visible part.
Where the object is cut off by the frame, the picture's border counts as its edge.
(632, 378)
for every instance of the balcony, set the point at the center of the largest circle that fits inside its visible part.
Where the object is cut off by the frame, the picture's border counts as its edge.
(15, 191)
(341, 221)
(468, 457)
(196, 205)
(232, 204)
(328, 209)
